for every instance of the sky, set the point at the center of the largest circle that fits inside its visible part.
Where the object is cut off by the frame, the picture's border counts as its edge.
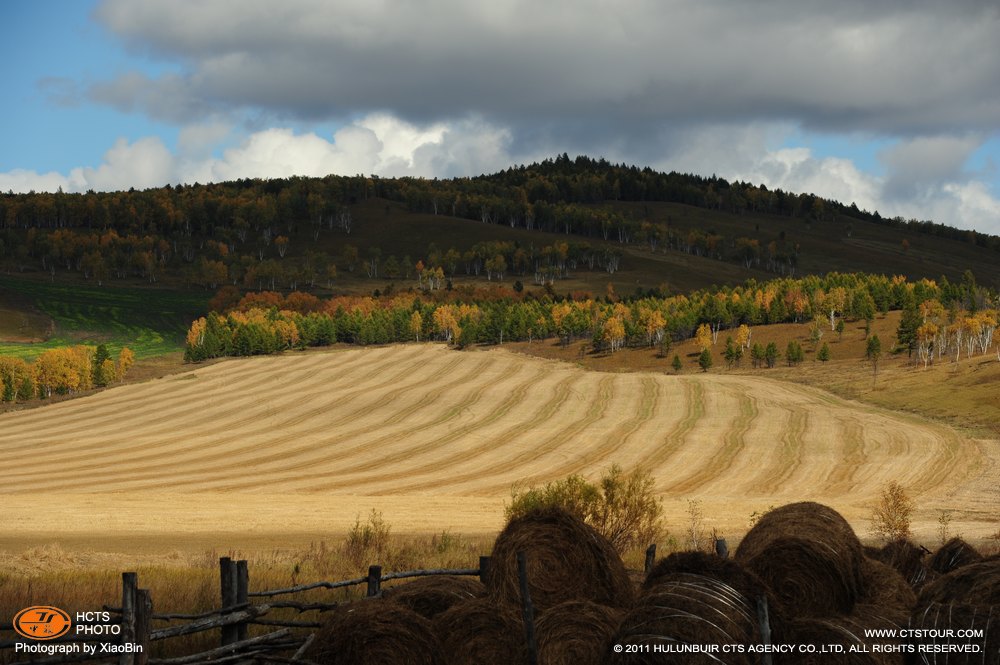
(894, 105)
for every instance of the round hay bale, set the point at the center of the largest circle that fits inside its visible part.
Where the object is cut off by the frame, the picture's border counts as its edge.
(729, 571)
(954, 554)
(370, 632)
(885, 589)
(577, 632)
(842, 640)
(809, 556)
(687, 618)
(480, 631)
(566, 560)
(974, 584)
(947, 620)
(907, 559)
(432, 595)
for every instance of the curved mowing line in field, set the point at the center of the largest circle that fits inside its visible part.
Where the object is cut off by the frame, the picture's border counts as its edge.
(955, 458)
(90, 447)
(596, 409)
(694, 401)
(549, 408)
(791, 455)
(393, 475)
(397, 459)
(201, 440)
(306, 454)
(852, 457)
(155, 409)
(723, 460)
(138, 453)
(619, 437)
(196, 455)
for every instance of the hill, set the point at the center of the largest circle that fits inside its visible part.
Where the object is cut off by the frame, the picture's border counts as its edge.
(576, 223)
(300, 444)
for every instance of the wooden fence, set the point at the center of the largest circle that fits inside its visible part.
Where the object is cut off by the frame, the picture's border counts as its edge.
(136, 622)
(239, 609)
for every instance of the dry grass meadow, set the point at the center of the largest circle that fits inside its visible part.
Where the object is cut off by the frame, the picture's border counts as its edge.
(275, 453)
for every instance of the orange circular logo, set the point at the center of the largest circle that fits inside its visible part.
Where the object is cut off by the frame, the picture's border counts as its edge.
(42, 622)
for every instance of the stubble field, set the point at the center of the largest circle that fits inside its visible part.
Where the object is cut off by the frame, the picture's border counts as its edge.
(280, 451)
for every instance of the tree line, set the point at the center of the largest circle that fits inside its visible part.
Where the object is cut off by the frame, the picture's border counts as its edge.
(261, 323)
(62, 371)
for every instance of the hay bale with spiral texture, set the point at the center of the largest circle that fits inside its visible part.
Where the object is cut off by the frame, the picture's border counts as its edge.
(729, 571)
(974, 584)
(847, 633)
(908, 559)
(577, 632)
(809, 556)
(950, 624)
(566, 560)
(688, 618)
(480, 631)
(432, 595)
(885, 589)
(374, 632)
(953, 555)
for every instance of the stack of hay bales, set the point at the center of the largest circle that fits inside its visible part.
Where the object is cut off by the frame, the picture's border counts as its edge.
(430, 596)
(567, 559)
(809, 556)
(693, 600)
(481, 631)
(814, 564)
(842, 640)
(953, 555)
(908, 560)
(966, 598)
(373, 632)
(577, 632)
(577, 583)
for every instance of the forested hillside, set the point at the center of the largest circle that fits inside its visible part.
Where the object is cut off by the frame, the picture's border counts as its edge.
(574, 222)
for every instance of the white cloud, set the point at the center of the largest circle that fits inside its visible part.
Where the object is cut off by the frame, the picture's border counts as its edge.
(387, 146)
(378, 143)
(22, 180)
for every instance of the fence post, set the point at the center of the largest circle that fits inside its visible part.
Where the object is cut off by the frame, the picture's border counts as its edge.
(227, 586)
(527, 608)
(129, 592)
(650, 558)
(484, 569)
(374, 581)
(242, 589)
(143, 624)
(765, 629)
(721, 548)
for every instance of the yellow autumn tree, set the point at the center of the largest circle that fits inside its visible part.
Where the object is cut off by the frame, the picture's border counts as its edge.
(125, 361)
(704, 337)
(416, 325)
(614, 333)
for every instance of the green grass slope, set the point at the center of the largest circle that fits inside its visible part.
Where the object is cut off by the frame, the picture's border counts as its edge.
(151, 322)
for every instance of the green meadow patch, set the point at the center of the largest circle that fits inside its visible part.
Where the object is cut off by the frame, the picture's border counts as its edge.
(151, 322)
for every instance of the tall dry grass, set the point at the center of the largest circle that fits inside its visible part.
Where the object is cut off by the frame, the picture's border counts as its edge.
(189, 583)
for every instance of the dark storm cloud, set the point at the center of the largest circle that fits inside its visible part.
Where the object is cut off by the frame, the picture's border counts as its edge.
(584, 69)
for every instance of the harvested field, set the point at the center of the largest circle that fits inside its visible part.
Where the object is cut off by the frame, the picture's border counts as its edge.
(294, 447)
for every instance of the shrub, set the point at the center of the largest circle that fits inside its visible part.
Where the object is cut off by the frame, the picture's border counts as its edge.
(367, 542)
(892, 513)
(621, 506)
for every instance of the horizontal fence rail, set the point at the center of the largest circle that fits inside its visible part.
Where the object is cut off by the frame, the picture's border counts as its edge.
(135, 616)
